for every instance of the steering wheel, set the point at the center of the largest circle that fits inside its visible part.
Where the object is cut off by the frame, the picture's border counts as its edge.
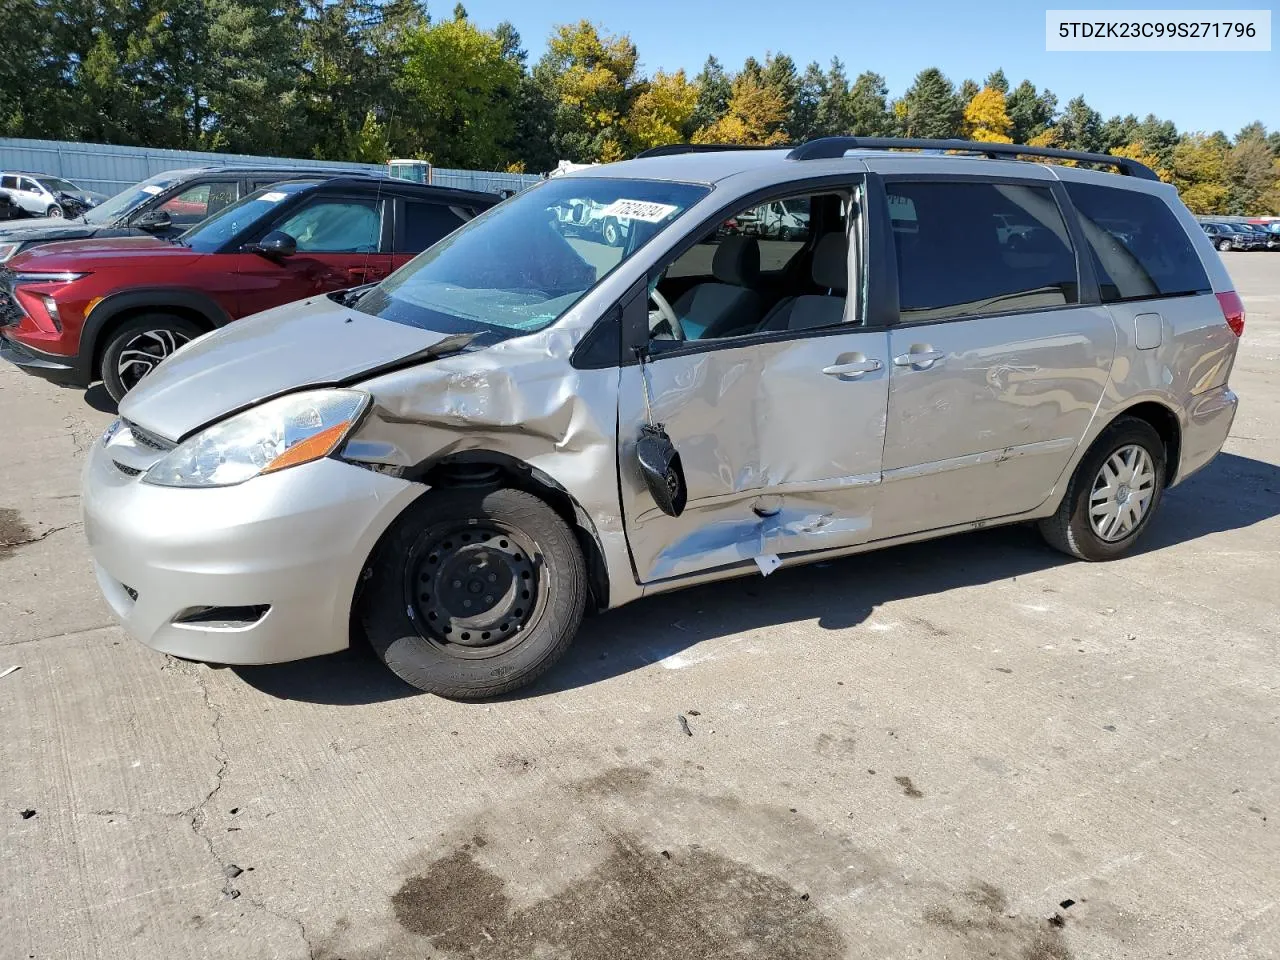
(668, 315)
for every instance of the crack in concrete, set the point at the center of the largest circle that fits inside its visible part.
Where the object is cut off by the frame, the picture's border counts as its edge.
(197, 816)
(59, 636)
(47, 533)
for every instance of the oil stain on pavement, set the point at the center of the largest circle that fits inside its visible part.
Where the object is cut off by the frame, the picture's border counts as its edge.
(638, 902)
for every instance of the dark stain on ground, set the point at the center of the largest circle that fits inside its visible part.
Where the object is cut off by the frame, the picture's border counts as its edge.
(979, 920)
(636, 904)
(13, 532)
(835, 748)
(612, 781)
(909, 789)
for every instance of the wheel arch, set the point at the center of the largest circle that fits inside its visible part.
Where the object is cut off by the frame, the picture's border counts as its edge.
(490, 468)
(1165, 422)
(118, 308)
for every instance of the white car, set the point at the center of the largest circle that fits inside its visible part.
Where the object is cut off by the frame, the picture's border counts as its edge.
(44, 196)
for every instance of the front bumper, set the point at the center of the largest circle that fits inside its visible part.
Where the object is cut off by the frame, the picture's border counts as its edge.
(52, 367)
(277, 558)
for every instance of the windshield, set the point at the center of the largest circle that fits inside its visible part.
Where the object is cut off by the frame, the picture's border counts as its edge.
(129, 199)
(210, 236)
(57, 185)
(521, 265)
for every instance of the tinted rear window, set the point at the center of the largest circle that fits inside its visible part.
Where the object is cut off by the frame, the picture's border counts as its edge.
(427, 223)
(1139, 248)
(967, 249)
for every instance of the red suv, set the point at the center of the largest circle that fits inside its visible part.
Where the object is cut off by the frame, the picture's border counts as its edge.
(111, 310)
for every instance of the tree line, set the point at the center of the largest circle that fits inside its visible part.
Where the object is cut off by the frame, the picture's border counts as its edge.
(367, 80)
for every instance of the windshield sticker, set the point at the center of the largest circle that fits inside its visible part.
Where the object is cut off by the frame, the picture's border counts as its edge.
(644, 210)
(275, 196)
(150, 188)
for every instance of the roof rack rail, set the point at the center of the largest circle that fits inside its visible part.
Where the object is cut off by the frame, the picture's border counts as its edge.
(827, 148)
(671, 149)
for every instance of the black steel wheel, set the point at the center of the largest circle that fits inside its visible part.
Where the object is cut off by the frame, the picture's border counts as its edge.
(474, 592)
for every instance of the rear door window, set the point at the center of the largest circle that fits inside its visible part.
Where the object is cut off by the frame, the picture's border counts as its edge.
(1139, 248)
(967, 248)
(428, 223)
(196, 203)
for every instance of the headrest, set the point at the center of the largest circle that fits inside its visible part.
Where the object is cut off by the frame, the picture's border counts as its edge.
(831, 262)
(737, 261)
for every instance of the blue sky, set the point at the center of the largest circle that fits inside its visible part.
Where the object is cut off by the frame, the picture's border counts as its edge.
(1198, 91)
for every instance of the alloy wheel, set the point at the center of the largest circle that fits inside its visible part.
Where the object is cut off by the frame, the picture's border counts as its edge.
(1122, 493)
(144, 351)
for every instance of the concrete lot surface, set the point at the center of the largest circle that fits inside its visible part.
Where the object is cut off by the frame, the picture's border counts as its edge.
(962, 749)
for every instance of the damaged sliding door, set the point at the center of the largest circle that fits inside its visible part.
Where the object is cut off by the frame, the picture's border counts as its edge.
(780, 441)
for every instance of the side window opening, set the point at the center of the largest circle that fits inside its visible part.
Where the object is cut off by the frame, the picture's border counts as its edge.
(762, 269)
(972, 248)
(1138, 246)
(335, 226)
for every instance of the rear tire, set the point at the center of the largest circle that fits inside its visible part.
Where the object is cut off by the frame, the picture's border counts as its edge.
(1101, 488)
(135, 348)
(474, 592)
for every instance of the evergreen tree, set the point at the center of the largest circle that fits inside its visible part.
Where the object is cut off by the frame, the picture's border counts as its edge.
(714, 90)
(1030, 112)
(997, 81)
(803, 124)
(930, 106)
(869, 106)
(1080, 126)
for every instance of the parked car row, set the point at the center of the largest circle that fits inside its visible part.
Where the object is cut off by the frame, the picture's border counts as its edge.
(531, 418)
(144, 281)
(1231, 235)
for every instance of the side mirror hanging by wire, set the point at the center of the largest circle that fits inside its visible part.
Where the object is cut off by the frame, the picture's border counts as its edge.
(658, 458)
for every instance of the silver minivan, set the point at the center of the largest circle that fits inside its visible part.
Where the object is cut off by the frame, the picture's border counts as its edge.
(526, 422)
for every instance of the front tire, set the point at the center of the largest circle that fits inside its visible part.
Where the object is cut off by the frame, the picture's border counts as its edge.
(474, 592)
(54, 212)
(137, 347)
(1112, 495)
(1224, 245)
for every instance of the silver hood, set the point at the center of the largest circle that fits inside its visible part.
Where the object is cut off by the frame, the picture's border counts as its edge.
(313, 342)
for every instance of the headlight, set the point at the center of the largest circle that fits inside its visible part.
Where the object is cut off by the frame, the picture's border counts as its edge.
(7, 250)
(281, 433)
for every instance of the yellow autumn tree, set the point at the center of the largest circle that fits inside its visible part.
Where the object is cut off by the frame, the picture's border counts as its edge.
(661, 114)
(754, 116)
(1138, 151)
(1199, 172)
(986, 119)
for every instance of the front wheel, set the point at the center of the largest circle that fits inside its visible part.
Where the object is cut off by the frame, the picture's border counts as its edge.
(474, 592)
(138, 346)
(1112, 495)
(1224, 245)
(54, 212)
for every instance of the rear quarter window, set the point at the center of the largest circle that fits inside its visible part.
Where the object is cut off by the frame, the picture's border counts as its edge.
(428, 223)
(1139, 248)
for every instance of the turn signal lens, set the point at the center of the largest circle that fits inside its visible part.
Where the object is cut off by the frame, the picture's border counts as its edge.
(313, 448)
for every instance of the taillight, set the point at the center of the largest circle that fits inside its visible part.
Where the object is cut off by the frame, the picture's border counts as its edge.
(1232, 311)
